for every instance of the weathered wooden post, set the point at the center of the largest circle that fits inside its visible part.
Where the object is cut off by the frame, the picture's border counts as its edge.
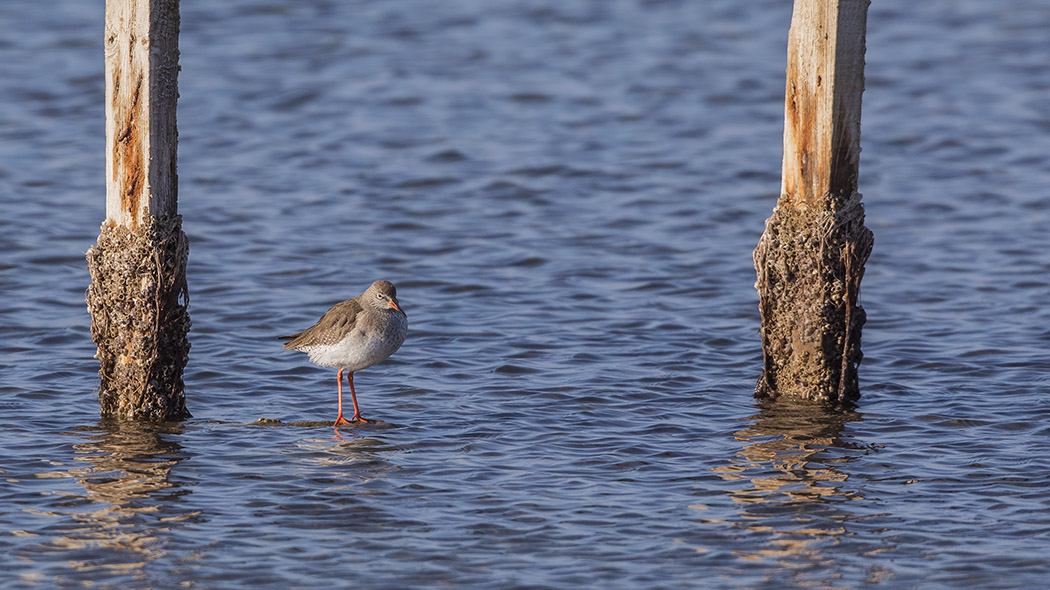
(811, 257)
(138, 295)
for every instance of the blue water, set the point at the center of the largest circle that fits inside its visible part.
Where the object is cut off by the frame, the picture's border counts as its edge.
(567, 195)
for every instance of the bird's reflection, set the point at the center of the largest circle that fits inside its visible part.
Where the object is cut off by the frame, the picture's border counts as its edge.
(791, 462)
(130, 499)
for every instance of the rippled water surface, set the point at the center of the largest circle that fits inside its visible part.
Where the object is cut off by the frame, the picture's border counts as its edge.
(567, 195)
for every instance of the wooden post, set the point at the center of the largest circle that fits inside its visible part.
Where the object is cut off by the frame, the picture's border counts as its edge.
(138, 294)
(810, 259)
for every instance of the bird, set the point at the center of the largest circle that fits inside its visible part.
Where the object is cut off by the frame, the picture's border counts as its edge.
(355, 334)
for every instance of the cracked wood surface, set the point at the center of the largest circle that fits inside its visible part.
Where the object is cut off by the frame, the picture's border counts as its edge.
(142, 57)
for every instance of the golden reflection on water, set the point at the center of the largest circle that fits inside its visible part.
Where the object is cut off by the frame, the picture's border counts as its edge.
(791, 460)
(115, 525)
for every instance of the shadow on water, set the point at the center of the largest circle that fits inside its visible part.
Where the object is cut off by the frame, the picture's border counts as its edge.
(795, 502)
(130, 503)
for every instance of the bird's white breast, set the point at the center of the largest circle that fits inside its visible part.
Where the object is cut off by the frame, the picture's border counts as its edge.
(361, 349)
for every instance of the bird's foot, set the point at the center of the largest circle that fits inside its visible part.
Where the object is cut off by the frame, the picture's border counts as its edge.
(340, 421)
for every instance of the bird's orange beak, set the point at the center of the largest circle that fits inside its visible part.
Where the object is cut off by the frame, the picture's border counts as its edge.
(394, 305)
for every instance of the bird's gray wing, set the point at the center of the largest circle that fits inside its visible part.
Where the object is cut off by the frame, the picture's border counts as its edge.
(331, 328)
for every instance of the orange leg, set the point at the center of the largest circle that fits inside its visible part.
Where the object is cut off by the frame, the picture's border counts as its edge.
(339, 420)
(353, 397)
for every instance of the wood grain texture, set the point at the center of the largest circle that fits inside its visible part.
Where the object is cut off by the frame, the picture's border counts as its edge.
(142, 64)
(822, 107)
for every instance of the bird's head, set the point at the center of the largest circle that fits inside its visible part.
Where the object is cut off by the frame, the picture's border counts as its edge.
(383, 295)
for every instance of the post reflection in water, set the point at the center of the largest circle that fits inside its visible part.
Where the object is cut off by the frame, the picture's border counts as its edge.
(796, 504)
(130, 500)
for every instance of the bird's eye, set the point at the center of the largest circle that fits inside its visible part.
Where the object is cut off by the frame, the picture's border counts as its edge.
(379, 295)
